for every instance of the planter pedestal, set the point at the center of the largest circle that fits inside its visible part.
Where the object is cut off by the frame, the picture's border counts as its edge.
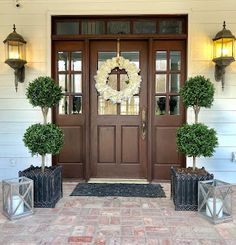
(47, 185)
(184, 189)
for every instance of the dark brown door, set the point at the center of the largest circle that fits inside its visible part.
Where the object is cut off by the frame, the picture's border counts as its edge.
(118, 140)
(169, 72)
(69, 72)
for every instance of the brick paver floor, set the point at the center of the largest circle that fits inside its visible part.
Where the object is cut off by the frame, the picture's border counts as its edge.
(115, 220)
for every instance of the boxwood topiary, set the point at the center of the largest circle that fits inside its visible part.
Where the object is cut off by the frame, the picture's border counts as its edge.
(44, 138)
(197, 139)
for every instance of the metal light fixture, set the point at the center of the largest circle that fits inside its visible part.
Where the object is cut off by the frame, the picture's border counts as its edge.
(15, 55)
(223, 53)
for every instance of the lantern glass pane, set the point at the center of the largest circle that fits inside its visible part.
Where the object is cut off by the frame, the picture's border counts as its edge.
(217, 48)
(15, 50)
(227, 50)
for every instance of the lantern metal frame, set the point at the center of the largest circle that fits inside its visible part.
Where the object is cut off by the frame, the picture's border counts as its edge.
(223, 61)
(17, 64)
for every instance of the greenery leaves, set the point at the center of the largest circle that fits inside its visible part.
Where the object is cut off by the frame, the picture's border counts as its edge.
(196, 140)
(43, 139)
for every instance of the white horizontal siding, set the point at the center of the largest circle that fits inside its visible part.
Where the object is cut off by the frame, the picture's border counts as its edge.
(33, 23)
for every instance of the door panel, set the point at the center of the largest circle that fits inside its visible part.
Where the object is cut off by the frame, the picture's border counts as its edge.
(118, 150)
(68, 64)
(168, 114)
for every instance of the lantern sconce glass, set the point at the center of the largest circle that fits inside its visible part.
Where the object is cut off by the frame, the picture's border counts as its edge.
(16, 55)
(223, 53)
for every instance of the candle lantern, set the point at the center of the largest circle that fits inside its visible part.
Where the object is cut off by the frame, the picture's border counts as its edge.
(17, 196)
(215, 200)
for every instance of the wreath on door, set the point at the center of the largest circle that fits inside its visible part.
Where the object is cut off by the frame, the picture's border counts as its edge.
(133, 83)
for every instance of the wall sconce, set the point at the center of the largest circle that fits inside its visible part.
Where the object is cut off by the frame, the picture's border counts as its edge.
(15, 55)
(223, 53)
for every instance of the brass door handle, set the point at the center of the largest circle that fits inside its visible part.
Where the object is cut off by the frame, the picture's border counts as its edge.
(143, 124)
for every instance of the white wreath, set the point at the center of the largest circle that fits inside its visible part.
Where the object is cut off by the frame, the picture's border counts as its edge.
(108, 93)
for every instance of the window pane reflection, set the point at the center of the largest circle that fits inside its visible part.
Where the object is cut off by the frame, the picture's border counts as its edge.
(118, 27)
(133, 57)
(112, 81)
(174, 83)
(76, 83)
(63, 82)
(174, 105)
(175, 60)
(77, 105)
(160, 83)
(103, 56)
(76, 61)
(170, 27)
(63, 61)
(161, 62)
(160, 105)
(145, 27)
(124, 81)
(105, 107)
(64, 105)
(130, 107)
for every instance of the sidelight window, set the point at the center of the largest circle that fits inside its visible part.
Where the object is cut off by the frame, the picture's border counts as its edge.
(69, 76)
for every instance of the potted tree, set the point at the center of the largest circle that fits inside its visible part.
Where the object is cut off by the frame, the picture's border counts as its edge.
(42, 139)
(193, 140)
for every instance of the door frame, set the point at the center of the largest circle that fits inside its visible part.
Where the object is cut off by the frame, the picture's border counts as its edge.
(150, 78)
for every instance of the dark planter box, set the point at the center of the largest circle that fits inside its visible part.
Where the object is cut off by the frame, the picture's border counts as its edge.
(47, 185)
(184, 189)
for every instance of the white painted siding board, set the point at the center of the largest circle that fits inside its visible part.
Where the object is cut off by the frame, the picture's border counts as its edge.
(21, 116)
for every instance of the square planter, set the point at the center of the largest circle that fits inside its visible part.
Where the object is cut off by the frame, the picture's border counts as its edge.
(215, 200)
(18, 197)
(184, 189)
(47, 185)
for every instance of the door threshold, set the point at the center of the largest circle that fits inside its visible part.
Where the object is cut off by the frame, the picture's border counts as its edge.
(117, 180)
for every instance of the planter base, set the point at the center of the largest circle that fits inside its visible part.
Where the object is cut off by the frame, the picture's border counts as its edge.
(184, 189)
(47, 185)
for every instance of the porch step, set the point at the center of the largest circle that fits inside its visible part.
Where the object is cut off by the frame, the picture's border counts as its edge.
(123, 181)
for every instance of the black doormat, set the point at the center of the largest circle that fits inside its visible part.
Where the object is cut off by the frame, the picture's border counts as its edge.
(122, 190)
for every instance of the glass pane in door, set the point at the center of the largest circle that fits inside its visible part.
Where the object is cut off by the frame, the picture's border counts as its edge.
(105, 107)
(130, 107)
(133, 57)
(63, 61)
(161, 61)
(103, 56)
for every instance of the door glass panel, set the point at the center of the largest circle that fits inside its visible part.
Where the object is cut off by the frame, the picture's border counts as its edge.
(103, 56)
(77, 105)
(67, 28)
(93, 27)
(175, 60)
(63, 82)
(174, 83)
(112, 81)
(130, 107)
(63, 61)
(160, 105)
(105, 107)
(133, 57)
(160, 83)
(174, 105)
(64, 105)
(118, 27)
(170, 27)
(161, 61)
(76, 83)
(76, 61)
(124, 81)
(144, 27)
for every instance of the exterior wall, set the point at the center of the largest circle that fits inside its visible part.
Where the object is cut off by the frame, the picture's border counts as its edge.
(32, 21)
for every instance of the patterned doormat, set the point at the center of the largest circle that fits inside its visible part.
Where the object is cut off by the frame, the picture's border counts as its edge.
(122, 190)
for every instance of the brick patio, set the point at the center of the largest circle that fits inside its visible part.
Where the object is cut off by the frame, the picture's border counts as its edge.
(111, 220)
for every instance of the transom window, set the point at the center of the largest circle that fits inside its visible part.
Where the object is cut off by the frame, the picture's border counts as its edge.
(122, 25)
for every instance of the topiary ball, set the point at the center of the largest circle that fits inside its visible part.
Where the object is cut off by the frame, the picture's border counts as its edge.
(43, 139)
(44, 92)
(196, 140)
(198, 91)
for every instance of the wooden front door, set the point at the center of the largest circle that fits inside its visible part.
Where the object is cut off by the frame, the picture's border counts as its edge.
(119, 131)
